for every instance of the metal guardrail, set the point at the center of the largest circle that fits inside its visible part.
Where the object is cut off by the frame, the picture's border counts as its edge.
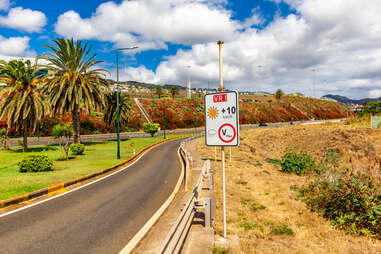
(177, 235)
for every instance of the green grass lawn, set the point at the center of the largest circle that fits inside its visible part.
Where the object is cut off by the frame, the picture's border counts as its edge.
(97, 156)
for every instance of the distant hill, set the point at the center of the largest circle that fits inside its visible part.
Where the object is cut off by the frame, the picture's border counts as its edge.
(147, 85)
(346, 100)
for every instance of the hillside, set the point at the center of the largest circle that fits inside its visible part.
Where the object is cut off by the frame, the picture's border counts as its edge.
(343, 99)
(264, 207)
(183, 112)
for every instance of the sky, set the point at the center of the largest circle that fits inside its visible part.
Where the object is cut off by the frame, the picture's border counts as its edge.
(315, 47)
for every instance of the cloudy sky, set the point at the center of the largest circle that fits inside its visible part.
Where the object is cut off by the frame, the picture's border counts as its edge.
(295, 45)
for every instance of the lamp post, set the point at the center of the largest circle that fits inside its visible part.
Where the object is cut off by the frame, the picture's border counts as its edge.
(117, 99)
(189, 83)
(165, 105)
(313, 82)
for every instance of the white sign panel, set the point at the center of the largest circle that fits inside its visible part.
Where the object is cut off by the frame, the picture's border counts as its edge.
(221, 119)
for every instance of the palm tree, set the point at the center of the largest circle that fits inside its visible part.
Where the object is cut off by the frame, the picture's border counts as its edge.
(73, 81)
(125, 105)
(173, 92)
(23, 103)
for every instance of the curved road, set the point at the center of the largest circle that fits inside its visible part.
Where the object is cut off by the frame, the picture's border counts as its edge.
(99, 218)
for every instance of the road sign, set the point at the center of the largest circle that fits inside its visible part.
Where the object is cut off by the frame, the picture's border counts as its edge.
(221, 119)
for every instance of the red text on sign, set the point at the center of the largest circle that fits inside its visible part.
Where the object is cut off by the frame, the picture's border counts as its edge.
(220, 98)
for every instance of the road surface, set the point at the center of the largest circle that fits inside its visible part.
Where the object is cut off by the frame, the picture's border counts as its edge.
(99, 218)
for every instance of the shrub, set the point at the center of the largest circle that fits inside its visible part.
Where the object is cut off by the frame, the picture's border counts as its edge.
(77, 149)
(151, 128)
(219, 250)
(281, 229)
(351, 201)
(35, 163)
(4, 139)
(298, 163)
(63, 133)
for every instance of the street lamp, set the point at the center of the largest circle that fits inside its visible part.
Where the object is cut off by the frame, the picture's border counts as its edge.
(117, 99)
(189, 83)
(313, 82)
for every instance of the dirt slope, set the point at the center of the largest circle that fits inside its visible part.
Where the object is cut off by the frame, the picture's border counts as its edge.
(262, 208)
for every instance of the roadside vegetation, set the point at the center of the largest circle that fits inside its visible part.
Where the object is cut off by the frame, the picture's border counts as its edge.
(308, 189)
(95, 157)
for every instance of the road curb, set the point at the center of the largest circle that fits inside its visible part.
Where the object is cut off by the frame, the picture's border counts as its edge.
(60, 186)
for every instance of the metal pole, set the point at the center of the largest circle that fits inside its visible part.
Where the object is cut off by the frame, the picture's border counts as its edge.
(221, 76)
(165, 136)
(117, 106)
(222, 147)
(223, 188)
(189, 83)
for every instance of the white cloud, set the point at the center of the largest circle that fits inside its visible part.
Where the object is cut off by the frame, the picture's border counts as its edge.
(376, 93)
(139, 73)
(4, 5)
(24, 19)
(15, 46)
(151, 23)
(338, 38)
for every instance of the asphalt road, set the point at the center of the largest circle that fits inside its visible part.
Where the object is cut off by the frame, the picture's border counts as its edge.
(99, 218)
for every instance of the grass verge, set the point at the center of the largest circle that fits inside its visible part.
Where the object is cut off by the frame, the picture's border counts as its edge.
(97, 156)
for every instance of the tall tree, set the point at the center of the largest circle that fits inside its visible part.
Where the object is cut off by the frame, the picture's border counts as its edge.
(23, 103)
(110, 112)
(73, 82)
(278, 95)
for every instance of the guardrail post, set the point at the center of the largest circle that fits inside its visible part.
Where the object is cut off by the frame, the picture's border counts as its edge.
(211, 181)
(208, 211)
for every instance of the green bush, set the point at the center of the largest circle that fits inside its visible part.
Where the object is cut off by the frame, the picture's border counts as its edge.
(77, 149)
(298, 163)
(351, 201)
(35, 163)
(151, 128)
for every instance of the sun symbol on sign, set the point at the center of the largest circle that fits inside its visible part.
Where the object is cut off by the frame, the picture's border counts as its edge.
(212, 112)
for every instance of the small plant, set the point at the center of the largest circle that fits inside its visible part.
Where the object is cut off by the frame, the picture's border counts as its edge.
(151, 128)
(77, 149)
(242, 182)
(63, 133)
(35, 163)
(273, 161)
(220, 250)
(281, 229)
(255, 207)
(247, 226)
(4, 139)
(298, 163)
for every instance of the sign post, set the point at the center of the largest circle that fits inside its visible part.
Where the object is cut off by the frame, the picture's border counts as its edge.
(221, 125)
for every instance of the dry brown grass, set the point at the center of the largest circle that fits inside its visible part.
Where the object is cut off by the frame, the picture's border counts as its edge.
(259, 195)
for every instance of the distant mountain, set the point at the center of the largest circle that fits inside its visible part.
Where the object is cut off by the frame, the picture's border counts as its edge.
(343, 99)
